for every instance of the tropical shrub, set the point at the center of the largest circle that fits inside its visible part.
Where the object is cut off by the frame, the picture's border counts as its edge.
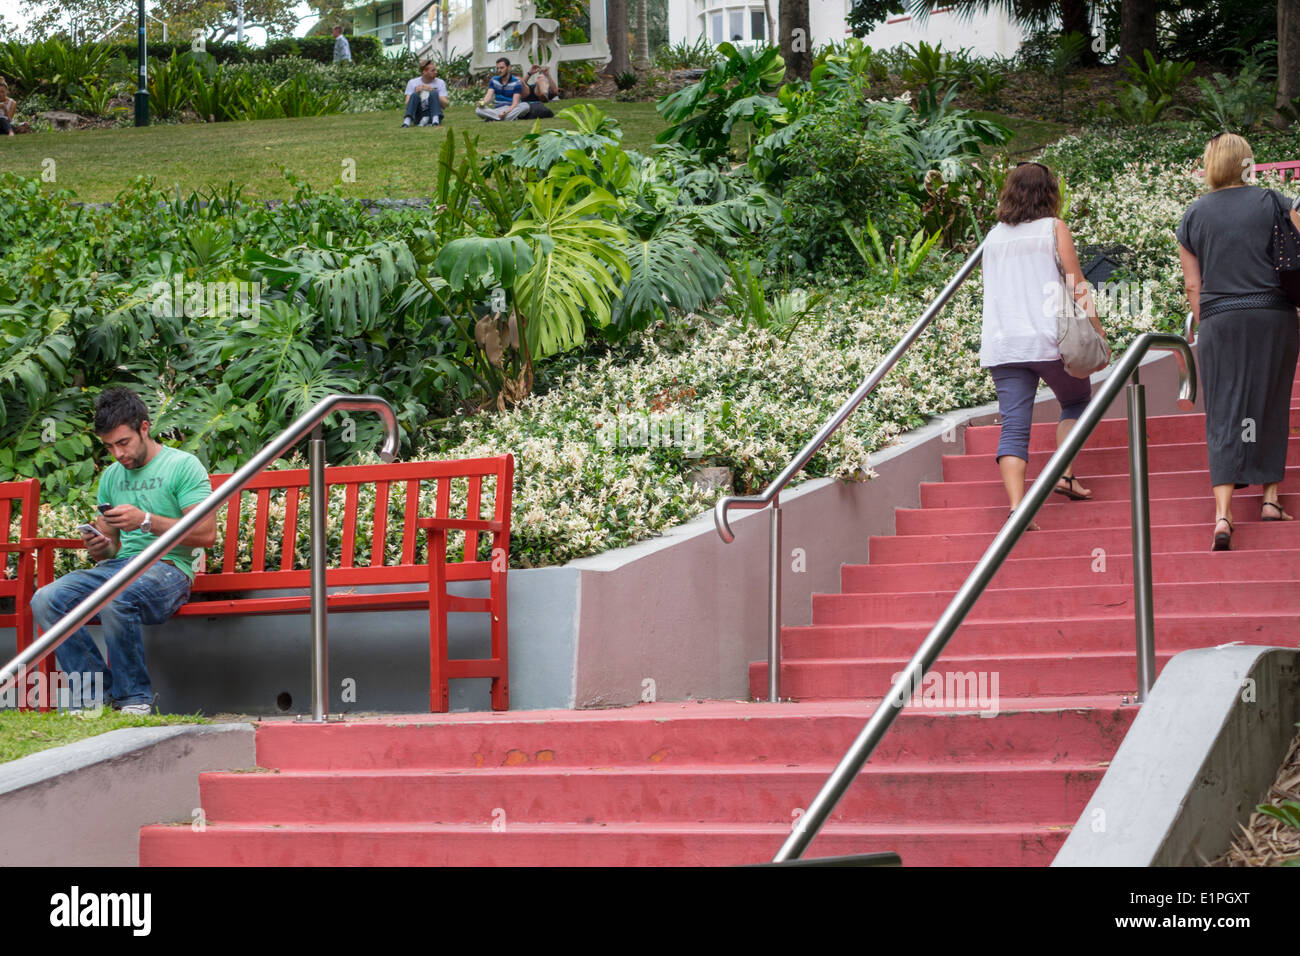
(734, 93)
(686, 56)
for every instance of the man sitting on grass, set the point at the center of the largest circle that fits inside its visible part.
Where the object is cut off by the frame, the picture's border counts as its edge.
(540, 85)
(426, 97)
(502, 100)
(146, 492)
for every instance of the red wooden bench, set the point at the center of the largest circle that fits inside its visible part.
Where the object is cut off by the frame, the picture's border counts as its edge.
(232, 585)
(19, 574)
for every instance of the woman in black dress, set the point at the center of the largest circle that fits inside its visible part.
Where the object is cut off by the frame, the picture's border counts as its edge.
(1248, 336)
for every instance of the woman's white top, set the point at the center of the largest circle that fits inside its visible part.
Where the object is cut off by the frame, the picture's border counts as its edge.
(1021, 291)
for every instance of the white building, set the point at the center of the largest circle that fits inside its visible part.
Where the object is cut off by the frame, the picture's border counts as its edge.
(987, 34)
(423, 26)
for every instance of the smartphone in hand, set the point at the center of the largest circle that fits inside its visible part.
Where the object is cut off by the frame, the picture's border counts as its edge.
(91, 529)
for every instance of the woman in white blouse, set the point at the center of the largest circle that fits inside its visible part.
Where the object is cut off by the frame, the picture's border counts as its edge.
(1019, 344)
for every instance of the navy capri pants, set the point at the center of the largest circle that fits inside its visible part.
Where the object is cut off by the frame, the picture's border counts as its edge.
(1016, 385)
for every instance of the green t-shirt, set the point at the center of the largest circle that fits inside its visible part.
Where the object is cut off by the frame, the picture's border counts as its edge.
(172, 480)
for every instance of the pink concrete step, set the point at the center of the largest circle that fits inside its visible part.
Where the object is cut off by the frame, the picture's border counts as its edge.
(584, 844)
(676, 734)
(1251, 535)
(897, 794)
(1079, 516)
(1161, 429)
(1074, 570)
(1098, 461)
(1059, 602)
(1024, 675)
(1169, 484)
(1174, 633)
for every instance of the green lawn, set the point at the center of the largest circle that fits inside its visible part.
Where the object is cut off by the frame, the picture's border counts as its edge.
(26, 732)
(1027, 135)
(387, 160)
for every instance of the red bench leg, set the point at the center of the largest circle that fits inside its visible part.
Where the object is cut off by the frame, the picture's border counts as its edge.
(439, 696)
(500, 632)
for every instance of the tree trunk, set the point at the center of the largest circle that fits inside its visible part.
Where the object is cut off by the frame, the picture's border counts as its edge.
(1137, 30)
(1076, 18)
(1288, 56)
(796, 39)
(616, 31)
(643, 34)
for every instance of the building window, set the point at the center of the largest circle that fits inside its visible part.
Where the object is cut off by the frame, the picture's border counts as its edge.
(736, 27)
(735, 22)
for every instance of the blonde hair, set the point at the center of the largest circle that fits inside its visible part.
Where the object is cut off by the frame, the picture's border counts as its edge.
(1227, 161)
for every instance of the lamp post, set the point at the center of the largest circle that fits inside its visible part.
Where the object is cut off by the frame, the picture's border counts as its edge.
(142, 88)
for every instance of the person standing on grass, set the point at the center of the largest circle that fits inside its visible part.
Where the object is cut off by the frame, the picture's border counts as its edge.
(426, 97)
(502, 99)
(141, 495)
(342, 52)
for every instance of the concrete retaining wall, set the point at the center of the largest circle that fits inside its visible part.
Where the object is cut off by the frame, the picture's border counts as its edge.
(1202, 752)
(83, 804)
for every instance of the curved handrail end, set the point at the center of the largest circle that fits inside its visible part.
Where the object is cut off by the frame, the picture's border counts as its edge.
(720, 519)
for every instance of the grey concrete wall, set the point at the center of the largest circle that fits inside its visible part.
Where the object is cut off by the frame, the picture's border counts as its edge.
(83, 804)
(1202, 752)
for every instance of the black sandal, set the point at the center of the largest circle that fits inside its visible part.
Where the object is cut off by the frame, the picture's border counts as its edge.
(1068, 490)
(1272, 504)
(1222, 542)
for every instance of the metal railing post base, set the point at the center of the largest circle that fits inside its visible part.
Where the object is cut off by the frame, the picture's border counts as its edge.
(774, 603)
(319, 639)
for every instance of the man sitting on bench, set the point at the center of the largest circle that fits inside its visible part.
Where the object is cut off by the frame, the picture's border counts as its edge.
(141, 495)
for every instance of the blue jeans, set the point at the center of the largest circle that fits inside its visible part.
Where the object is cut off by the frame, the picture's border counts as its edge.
(1016, 385)
(151, 599)
(432, 109)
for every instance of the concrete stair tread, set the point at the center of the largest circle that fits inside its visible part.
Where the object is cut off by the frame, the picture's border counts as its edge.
(616, 827)
(822, 767)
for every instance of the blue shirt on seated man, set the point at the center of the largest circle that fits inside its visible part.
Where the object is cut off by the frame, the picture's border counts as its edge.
(503, 99)
(141, 495)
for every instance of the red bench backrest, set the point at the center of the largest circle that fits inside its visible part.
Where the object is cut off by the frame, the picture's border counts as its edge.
(263, 555)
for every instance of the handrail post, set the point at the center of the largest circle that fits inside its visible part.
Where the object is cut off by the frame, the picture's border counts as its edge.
(1140, 507)
(319, 642)
(774, 603)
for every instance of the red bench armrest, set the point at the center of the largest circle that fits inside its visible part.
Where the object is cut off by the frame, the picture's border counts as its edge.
(459, 524)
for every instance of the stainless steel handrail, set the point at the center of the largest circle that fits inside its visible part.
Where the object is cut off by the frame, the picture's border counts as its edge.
(771, 494)
(1190, 327)
(307, 423)
(820, 809)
